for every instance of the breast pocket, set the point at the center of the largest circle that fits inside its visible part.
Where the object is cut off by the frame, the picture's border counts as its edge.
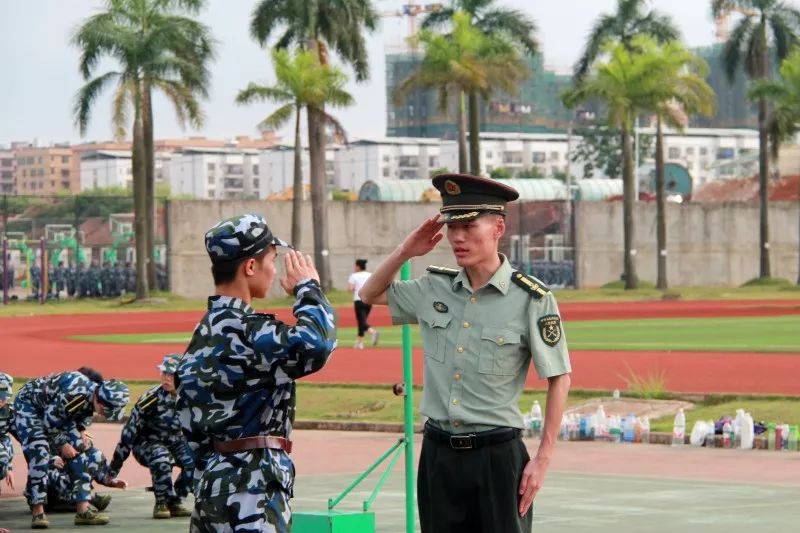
(433, 327)
(501, 352)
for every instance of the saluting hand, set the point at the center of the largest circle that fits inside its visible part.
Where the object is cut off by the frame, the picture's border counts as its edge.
(297, 268)
(423, 239)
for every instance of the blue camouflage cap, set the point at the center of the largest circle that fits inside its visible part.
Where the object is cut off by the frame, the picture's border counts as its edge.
(6, 386)
(170, 363)
(114, 395)
(239, 237)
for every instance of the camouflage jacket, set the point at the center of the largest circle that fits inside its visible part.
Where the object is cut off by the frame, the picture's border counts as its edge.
(7, 430)
(236, 380)
(153, 419)
(63, 403)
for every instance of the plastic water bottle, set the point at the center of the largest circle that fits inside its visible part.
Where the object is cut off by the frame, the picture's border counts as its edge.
(602, 430)
(778, 437)
(629, 428)
(711, 438)
(563, 431)
(771, 436)
(646, 429)
(536, 419)
(727, 431)
(785, 437)
(679, 429)
(792, 439)
(614, 430)
(574, 429)
(748, 432)
(738, 422)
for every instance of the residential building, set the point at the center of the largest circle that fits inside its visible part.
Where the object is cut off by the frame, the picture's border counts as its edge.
(277, 170)
(7, 166)
(113, 168)
(46, 170)
(381, 159)
(215, 173)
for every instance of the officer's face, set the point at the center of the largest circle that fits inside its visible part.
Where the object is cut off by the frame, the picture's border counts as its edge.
(261, 273)
(475, 241)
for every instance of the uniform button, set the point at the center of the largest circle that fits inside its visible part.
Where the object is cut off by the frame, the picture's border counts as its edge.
(502, 284)
(455, 401)
(457, 377)
(466, 324)
(472, 300)
(500, 340)
(460, 349)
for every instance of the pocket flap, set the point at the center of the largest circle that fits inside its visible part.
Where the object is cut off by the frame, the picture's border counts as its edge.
(436, 320)
(500, 336)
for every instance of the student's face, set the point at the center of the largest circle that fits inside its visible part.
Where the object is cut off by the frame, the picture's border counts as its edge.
(261, 273)
(475, 241)
(168, 382)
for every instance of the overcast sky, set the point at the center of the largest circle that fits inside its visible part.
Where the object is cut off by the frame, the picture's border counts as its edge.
(39, 75)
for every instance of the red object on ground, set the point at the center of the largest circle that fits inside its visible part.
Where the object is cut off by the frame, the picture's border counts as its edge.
(34, 346)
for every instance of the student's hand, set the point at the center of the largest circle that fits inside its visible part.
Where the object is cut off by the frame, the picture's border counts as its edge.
(423, 239)
(532, 479)
(58, 462)
(10, 479)
(116, 483)
(87, 440)
(298, 267)
(68, 452)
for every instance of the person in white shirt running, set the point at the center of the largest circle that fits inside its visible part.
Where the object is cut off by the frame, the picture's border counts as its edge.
(354, 284)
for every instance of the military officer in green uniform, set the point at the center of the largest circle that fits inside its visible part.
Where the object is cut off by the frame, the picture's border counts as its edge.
(482, 326)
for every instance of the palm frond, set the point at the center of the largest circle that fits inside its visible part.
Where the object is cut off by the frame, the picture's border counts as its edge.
(86, 97)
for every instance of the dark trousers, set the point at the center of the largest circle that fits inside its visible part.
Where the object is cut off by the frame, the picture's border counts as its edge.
(472, 491)
(362, 312)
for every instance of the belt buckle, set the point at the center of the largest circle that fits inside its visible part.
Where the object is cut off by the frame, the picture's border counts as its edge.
(462, 442)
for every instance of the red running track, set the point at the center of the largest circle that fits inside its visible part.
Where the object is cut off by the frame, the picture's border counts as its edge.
(31, 346)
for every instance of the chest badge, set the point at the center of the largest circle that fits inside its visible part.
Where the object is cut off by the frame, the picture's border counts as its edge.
(550, 329)
(440, 307)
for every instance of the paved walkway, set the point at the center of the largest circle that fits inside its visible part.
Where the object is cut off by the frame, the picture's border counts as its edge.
(597, 486)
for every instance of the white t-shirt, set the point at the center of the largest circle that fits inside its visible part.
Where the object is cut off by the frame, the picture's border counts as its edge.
(358, 279)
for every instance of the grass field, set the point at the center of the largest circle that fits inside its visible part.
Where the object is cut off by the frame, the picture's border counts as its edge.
(735, 334)
(169, 302)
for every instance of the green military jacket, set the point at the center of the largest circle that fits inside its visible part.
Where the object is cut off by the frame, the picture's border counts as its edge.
(479, 344)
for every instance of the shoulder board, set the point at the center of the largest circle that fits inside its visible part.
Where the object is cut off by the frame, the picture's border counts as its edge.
(533, 286)
(148, 399)
(74, 404)
(433, 269)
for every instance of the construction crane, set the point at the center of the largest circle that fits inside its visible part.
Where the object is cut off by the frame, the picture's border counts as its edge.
(412, 11)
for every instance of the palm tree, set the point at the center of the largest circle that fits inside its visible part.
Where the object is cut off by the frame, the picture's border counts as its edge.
(317, 25)
(679, 90)
(509, 24)
(630, 20)
(156, 46)
(749, 45)
(302, 82)
(784, 95)
(625, 84)
(466, 61)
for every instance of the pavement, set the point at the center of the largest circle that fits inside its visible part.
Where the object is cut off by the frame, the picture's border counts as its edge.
(590, 485)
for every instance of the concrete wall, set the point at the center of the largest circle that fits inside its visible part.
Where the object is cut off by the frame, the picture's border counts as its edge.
(707, 244)
(358, 230)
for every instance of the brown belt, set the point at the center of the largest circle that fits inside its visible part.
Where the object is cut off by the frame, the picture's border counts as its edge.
(253, 443)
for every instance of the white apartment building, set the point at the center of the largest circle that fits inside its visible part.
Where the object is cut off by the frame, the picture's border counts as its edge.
(277, 168)
(546, 152)
(102, 169)
(389, 158)
(7, 166)
(215, 173)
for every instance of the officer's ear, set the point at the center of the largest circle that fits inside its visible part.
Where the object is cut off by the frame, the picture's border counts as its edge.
(249, 266)
(500, 226)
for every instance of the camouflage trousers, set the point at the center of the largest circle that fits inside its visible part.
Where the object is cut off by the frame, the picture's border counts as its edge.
(244, 512)
(160, 458)
(6, 454)
(60, 488)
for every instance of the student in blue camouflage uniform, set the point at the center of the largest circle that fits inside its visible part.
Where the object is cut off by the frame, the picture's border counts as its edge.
(6, 430)
(153, 433)
(55, 410)
(236, 381)
(60, 496)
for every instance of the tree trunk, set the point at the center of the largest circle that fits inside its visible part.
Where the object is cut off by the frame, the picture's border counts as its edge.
(474, 135)
(319, 195)
(462, 135)
(763, 161)
(150, 178)
(661, 222)
(627, 207)
(297, 186)
(140, 205)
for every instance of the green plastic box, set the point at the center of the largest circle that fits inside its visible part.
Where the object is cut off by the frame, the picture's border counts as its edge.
(334, 522)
